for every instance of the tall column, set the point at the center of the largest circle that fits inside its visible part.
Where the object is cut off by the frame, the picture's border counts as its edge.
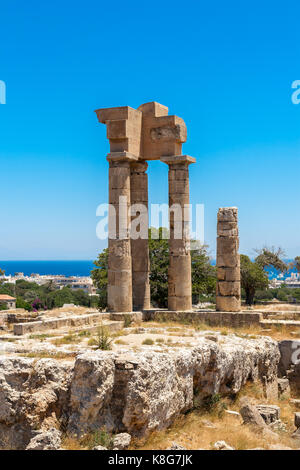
(179, 276)
(228, 261)
(119, 291)
(139, 246)
(124, 133)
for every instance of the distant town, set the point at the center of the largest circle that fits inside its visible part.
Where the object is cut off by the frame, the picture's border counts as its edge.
(292, 281)
(84, 283)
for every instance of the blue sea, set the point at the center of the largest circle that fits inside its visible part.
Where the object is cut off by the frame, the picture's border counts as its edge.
(65, 268)
(75, 268)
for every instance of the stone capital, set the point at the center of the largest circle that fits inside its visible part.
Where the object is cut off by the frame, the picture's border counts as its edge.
(124, 127)
(115, 157)
(139, 166)
(178, 160)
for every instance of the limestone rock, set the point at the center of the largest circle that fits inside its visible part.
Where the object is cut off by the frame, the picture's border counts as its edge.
(251, 415)
(269, 413)
(129, 392)
(222, 445)
(99, 448)
(278, 425)
(176, 446)
(121, 441)
(32, 394)
(206, 423)
(47, 440)
(296, 403)
(297, 420)
(284, 387)
(296, 435)
(288, 355)
(91, 392)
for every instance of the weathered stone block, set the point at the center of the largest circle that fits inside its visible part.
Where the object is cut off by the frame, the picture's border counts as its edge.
(227, 260)
(228, 214)
(227, 245)
(229, 288)
(297, 420)
(284, 387)
(269, 413)
(228, 304)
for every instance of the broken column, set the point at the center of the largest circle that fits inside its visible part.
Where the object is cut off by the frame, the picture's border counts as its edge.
(228, 261)
(124, 133)
(139, 246)
(179, 275)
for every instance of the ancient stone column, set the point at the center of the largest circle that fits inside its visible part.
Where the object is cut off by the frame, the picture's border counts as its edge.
(228, 261)
(124, 134)
(179, 276)
(139, 246)
(119, 290)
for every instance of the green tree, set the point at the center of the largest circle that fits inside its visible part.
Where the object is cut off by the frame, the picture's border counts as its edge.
(296, 263)
(271, 257)
(20, 303)
(61, 297)
(253, 277)
(99, 276)
(1, 274)
(203, 274)
(159, 263)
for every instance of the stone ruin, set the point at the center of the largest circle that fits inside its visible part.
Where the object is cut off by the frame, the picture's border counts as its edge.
(228, 297)
(135, 136)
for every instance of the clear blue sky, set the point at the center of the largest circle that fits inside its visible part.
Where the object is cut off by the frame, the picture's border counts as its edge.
(225, 67)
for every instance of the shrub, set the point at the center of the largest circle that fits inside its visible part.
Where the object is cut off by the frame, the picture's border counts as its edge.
(210, 404)
(102, 340)
(127, 321)
(98, 438)
(148, 341)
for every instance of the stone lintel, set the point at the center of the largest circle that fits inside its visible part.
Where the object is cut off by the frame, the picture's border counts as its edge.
(115, 114)
(178, 159)
(121, 157)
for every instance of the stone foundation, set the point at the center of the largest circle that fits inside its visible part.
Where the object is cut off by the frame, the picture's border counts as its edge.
(55, 323)
(209, 317)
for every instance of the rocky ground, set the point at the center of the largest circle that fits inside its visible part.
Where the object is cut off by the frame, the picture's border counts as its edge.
(57, 389)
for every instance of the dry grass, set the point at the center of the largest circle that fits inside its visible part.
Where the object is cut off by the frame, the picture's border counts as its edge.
(277, 332)
(120, 341)
(118, 333)
(97, 438)
(71, 443)
(68, 339)
(148, 342)
(49, 355)
(191, 430)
